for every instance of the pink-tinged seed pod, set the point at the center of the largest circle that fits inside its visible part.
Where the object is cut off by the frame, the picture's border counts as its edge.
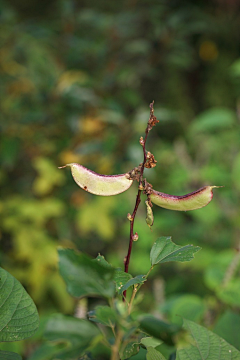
(192, 201)
(105, 185)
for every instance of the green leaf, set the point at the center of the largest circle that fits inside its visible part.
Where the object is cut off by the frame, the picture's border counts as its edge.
(231, 293)
(131, 349)
(103, 315)
(150, 341)
(139, 279)
(207, 345)
(228, 327)
(235, 68)
(158, 328)
(121, 278)
(100, 259)
(18, 313)
(47, 351)
(85, 277)
(214, 119)
(153, 354)
(7, 355)
(165, 250)
(78, 334)
(188, 305)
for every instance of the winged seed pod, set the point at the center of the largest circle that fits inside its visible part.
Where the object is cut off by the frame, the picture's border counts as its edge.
(105, 185)
(192, 201)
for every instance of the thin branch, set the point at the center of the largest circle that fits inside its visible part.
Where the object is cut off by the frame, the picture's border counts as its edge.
(151, 122)
(132, 298)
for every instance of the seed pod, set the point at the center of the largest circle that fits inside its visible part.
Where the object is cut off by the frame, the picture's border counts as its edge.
(105, 185)
(194, 200)
(149, 218)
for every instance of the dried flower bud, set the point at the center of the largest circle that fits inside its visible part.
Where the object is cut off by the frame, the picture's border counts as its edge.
(141, 141)
(151, 162)
(129, 217)
(135, 237)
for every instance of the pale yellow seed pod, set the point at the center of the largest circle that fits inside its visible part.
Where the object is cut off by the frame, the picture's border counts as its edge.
(105, 185)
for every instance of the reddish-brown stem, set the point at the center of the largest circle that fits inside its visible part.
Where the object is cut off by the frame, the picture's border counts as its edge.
(127, 259)
(138, 198)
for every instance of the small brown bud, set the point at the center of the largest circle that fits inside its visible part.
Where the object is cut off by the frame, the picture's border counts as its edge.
(141, 141)
(129, 217)
(135, 237)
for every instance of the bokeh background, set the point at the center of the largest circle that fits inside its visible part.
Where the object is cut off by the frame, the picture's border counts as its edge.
(76, 80)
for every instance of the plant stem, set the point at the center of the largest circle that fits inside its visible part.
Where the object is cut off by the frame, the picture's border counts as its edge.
(135, 290)
(151, 122)
(127, 259)
(116, 346)
(132, 298)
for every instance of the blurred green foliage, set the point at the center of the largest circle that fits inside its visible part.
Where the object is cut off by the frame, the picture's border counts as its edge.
(76, 79)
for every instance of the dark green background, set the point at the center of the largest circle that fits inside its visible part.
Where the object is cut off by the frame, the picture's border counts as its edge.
(76, 80)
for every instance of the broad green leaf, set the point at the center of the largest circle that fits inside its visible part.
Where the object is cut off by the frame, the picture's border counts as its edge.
(85, 277)
(121, 278)
(231, 293)
(103, 315)
(132, 348)
(153, 354)
(47, 351)
(151, 341)
(228, 327)
(165, 250)
(7, 355)
(78, 334)
(184, 306)
(235, 68)
(139, 279)
(214, 276)
(158, 328)
(18, 313)
(214, 119)
(207, 345)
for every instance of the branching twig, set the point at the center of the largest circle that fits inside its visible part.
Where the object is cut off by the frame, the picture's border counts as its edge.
(148, 161)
